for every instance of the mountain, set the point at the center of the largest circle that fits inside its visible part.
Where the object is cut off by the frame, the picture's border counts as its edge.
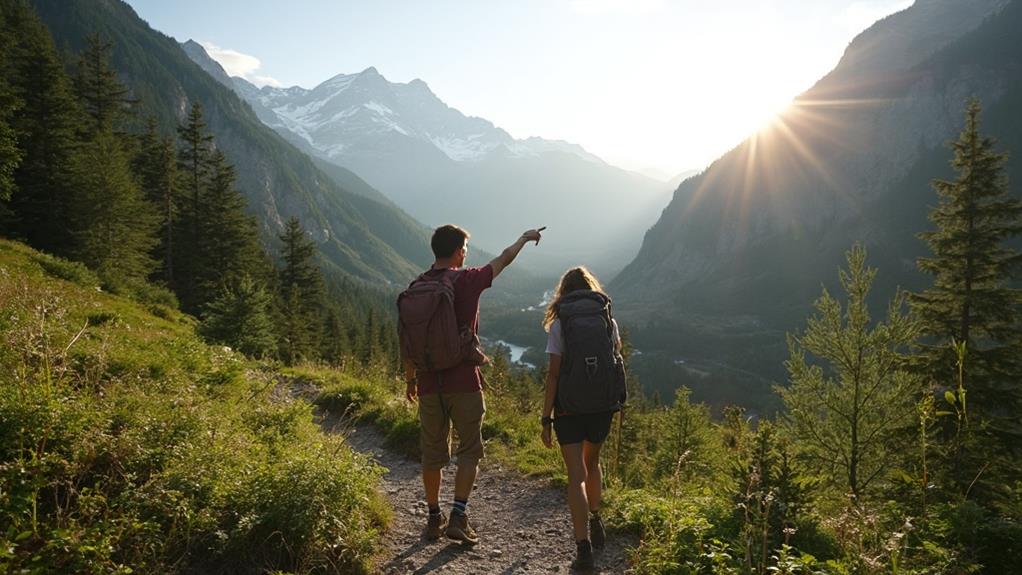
(443, 166)
(358, 232)
(680, 177)
(742, 249)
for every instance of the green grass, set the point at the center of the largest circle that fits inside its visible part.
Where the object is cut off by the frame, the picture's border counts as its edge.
(128, 445)
(511, 428)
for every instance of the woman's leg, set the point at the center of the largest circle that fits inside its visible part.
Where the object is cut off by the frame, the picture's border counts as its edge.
(594, 476)
(572, 454)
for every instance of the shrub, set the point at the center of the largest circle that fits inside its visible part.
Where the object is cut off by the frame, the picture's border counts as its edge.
(130, 446)
(60, 268)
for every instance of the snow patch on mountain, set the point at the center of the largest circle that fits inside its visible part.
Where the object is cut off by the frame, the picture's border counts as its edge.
(345, 109)
(463, 149)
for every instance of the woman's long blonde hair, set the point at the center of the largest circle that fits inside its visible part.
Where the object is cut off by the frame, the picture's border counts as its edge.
(575, 279)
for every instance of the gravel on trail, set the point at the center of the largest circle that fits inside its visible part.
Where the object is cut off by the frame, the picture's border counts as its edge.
(523, 523)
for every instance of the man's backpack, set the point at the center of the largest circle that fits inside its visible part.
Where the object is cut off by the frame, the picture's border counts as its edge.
(429, 332)
(592, 377)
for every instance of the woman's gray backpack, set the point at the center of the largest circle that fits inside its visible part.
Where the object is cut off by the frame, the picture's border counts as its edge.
(592, 376)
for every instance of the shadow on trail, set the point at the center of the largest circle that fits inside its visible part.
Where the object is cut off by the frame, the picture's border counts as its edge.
(523, 523)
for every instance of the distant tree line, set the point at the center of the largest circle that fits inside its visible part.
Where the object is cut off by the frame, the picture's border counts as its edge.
(159, 218)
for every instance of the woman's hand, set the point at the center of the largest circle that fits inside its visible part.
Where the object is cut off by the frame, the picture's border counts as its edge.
(545, 436)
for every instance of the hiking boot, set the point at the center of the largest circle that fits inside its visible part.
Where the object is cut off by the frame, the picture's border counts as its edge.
(435, 525)
(597, 534)
(584, 561)
(459, 529)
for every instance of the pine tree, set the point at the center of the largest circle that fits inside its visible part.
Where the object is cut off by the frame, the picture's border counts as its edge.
(687, 441)
(113, 227)
(848, 404)
(193, 167)
(335, 338)
(103, 97)
(240, 317)
(45, 127)
(10, 155)
(971, 303)
(228, 243)
(301, 293)
(370, 349)
(156, 168)
(769, 496)
(295, 337)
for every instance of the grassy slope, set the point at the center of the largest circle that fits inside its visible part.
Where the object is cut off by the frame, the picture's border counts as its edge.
(126, 441)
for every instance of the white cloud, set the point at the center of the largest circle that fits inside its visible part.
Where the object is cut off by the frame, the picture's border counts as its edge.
(862, 14)
(239, 64)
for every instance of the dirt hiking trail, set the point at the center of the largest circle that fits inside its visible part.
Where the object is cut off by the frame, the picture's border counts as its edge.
(523, 524)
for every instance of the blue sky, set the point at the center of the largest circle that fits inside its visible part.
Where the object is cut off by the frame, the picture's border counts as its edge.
(657, 85)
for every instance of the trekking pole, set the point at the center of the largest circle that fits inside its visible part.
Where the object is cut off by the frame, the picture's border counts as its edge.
(617, 447)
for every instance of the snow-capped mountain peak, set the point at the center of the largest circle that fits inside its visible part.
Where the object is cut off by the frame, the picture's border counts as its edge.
(346, 109)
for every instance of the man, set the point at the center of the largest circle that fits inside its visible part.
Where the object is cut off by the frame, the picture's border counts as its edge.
(454, 396)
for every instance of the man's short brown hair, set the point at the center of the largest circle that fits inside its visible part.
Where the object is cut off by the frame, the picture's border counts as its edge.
(447, 240)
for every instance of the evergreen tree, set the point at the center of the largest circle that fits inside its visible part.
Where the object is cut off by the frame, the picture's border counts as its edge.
(335, 338)
(10, 155)
(113, 226)
(45, 127)
(687, 441)
(228, 242)
(971, 303)
(302, 291)
(240, 317)
(369, 350)
(846, 414)
(103, 97)
(156, 168)
(193, 166)
(295, 334)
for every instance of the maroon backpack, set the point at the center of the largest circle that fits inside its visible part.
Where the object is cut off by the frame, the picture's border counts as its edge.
(430, 335)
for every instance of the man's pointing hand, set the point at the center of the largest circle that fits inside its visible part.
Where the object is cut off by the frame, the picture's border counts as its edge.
(534, 235)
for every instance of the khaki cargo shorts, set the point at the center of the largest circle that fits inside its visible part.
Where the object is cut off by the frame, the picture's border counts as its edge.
(436, 414)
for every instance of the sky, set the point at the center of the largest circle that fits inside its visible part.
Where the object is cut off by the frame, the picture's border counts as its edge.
(660, 86)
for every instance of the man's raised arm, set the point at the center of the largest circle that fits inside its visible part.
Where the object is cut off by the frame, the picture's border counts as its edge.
(511, 252)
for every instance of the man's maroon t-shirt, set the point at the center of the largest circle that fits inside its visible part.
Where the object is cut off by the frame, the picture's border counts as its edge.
(468, 286)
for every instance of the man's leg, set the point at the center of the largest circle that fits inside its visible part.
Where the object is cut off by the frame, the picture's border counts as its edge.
(467, 411)
(431, 479)
(465, 479)
(434, 442)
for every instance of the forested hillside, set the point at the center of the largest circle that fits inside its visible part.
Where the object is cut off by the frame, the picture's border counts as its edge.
(744, 247)
(277, 180)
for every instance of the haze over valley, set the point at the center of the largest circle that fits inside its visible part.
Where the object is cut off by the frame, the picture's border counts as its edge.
(741, 248)
(233, 338)
(709, 271)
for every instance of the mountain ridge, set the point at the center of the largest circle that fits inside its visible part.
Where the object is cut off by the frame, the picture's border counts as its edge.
(758, 232)
(464, 169)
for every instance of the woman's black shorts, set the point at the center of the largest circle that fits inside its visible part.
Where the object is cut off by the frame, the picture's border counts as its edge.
(591, 427)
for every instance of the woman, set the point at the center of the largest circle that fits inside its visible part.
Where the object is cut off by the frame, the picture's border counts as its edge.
(580, 434)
